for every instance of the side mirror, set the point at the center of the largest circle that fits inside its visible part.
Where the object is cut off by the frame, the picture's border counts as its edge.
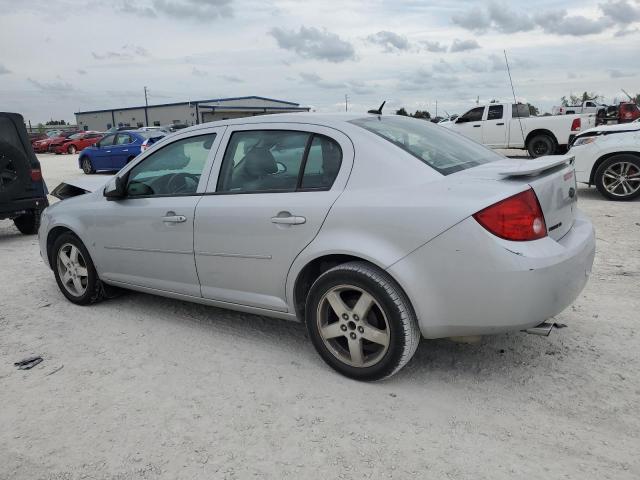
(116, 188)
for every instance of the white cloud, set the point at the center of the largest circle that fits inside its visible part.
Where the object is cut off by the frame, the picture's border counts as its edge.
(310, 42)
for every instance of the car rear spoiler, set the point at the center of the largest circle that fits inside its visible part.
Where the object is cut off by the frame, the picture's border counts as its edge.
(533, 167)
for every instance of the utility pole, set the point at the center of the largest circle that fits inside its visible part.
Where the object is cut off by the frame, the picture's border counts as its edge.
(436, 108)
(146, 108)
(346, 102)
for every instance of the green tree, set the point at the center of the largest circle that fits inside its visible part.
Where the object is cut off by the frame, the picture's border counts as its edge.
(402, 112)
(533, 111)
(40, 128)
(422, 114)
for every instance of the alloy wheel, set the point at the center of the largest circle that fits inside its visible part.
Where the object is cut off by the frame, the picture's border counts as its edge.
(621, 179)
(72, 269)
(86, 166)
(72, 149)
(353, 326)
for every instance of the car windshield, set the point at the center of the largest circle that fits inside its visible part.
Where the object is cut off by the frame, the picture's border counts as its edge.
(76, 136)
(441, 149)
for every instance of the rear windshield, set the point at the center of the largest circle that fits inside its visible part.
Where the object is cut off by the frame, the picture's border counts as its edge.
(150, 133)
(441, 149)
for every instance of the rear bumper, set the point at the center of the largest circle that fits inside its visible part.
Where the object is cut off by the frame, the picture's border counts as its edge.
(469, 282)
(17, 207)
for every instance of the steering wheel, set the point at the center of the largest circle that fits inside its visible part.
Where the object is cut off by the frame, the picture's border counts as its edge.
(182, 182)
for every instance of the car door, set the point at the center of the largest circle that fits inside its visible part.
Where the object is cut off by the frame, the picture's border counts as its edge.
(101, 156)
(271, 189)
(122, 150)
(146, 238)
(494, 128)
(470, 124)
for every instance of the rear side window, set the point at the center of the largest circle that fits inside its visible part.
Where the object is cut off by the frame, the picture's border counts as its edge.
(123, 139)
(443, 150)
(259, 161)
(520, 110)
(495, 112)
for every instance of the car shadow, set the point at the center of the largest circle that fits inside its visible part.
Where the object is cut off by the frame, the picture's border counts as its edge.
(493, 357)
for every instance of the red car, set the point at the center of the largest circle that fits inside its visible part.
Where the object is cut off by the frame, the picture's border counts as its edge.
(75, 143)
(42, 146)
(628, 112)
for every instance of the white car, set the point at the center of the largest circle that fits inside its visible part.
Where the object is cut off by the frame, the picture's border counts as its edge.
(609, 158)
(374, 230)
(506, 125)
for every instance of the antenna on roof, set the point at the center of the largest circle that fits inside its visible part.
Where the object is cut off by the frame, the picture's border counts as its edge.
(379, 110)
(514, 95)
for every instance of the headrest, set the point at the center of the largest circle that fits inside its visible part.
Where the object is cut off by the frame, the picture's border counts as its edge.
(259, 162)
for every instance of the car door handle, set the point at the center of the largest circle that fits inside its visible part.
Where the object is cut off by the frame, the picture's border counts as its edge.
(501, 123)
(108, 151)
(171, 217)
(284, 219)
(125, 150)
(477, 126)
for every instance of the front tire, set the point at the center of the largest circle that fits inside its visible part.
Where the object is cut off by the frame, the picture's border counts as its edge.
(541, 145)
(72, 149)
(361, 322)
(87, 166)
(618, 177)
(75, 273)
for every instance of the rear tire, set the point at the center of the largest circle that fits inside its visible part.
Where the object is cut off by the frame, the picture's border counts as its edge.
(29, 223)
(540, 145)
(75, 273)
(618, 177)
(361, 322)
(87, 166)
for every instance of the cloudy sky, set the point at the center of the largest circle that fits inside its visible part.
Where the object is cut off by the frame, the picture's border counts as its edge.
(61, 56)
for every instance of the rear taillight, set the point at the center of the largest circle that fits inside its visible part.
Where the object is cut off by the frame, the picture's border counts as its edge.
(575, 125)
(518, 218)
(36, 175)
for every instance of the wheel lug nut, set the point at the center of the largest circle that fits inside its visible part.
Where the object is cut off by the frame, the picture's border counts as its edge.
(361, 330)
(356, 318)
(343, 328)
(345, 316)
(352, 335)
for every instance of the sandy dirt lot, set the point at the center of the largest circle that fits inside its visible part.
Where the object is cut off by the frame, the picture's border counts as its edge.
(154, 388)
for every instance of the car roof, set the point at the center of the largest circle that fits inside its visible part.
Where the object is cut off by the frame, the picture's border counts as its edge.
(324, 119)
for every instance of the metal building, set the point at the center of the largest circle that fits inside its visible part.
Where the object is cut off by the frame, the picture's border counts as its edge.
(189, 113)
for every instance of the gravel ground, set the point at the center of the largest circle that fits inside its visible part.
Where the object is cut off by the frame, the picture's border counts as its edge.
(155, 388)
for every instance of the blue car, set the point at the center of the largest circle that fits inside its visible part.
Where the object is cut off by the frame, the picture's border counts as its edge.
(115, 150)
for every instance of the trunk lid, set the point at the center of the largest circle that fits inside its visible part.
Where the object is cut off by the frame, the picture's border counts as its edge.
(553, 180)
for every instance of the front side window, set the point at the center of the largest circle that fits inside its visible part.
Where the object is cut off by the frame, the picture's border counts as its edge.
(272, 161)
(520, 110)
(495, 112)
(443, 150)
(473, 115)
(107, 141)
(172, 170)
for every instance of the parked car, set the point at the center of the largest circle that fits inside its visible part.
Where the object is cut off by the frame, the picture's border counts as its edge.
(154, 129)
(588, 106)
(506, 125)
(23, 193)
(115, 150)
(43, 146)
(628, 112)
(609, 158)
(372, 229)
(75, 143)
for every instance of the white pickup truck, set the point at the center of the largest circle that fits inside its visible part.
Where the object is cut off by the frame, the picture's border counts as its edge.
(588, 106)
(506, 125)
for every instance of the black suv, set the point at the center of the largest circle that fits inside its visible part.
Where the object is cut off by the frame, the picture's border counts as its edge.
(23, 193)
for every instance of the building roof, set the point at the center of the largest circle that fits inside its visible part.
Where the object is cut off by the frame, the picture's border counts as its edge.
(211, 100)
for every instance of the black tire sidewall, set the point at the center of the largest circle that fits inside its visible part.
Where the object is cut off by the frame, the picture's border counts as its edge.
(392, 357)
(606, 164)
(29, 223)
(93, 283)
(538, 138)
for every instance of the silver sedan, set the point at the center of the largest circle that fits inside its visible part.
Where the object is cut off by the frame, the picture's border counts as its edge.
(374, 230)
